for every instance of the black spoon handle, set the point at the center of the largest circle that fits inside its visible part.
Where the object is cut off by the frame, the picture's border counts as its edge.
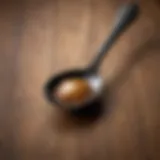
(126, 15)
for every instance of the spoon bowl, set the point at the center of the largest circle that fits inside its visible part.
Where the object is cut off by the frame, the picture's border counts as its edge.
(94, 82)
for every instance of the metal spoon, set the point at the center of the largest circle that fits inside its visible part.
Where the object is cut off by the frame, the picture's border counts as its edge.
(126, 15)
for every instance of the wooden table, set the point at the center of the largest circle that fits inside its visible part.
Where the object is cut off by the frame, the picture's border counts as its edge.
(39, 38)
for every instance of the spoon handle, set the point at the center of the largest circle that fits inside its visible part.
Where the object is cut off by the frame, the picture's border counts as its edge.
(126, 15)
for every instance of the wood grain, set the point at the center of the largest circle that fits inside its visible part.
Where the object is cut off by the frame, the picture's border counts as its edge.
(41, 38)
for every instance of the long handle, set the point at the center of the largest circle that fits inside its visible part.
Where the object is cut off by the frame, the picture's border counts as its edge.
(126, 15)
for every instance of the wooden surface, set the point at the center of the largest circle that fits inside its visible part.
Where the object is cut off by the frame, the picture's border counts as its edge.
(41, 38)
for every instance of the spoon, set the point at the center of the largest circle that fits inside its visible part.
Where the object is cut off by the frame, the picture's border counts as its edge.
(78, 88)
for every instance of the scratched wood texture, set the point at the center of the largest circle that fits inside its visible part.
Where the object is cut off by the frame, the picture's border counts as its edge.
(39, 38)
